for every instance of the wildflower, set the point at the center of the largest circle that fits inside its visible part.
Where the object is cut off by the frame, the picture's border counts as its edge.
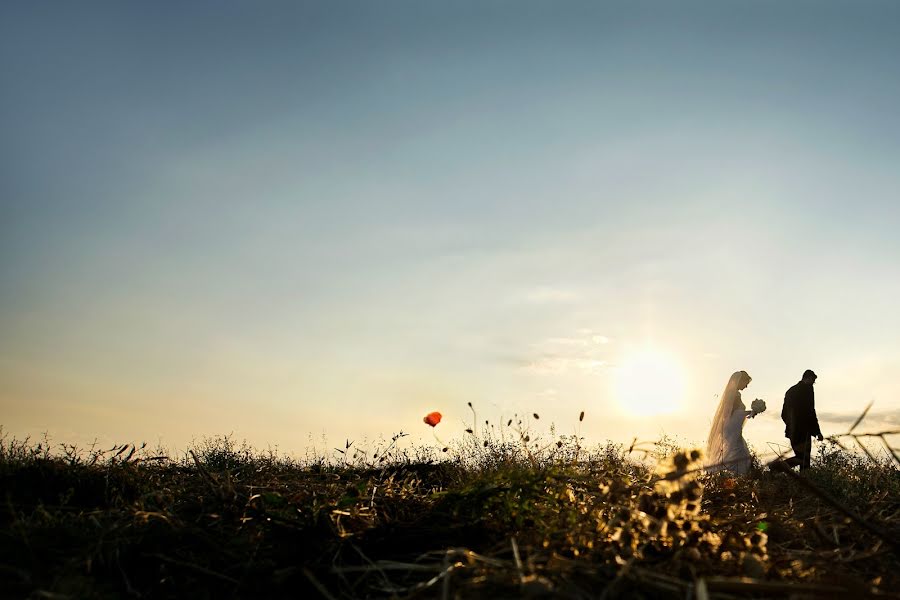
(432, 419)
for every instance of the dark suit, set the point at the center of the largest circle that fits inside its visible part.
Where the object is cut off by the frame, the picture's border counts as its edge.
(801, 422)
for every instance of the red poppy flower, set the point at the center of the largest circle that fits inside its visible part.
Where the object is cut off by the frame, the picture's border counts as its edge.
(432, 418)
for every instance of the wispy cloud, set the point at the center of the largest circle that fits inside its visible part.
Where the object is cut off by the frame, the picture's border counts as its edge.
(564, 341)
(560, 365)
(889, 417)
(583, 353)
(549, 295)
(586, 338)
(593, 336)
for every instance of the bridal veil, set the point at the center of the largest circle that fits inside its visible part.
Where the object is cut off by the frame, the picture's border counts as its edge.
(716, 443)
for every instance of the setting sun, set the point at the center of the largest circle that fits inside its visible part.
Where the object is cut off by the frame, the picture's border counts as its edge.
(649, 382)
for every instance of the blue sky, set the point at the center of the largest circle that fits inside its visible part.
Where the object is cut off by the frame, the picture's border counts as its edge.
(308, 218)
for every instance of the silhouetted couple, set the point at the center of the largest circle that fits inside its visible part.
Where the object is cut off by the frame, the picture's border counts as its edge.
(725, 446)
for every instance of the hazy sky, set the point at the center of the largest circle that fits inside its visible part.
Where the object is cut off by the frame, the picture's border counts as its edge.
(284, 220)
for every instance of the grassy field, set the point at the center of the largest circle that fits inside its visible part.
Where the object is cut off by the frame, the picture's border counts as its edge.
(488, 517)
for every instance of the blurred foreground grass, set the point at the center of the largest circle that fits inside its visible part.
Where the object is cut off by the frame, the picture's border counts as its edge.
(490, 517)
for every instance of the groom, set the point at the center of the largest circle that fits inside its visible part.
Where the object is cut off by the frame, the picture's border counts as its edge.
(801, 423)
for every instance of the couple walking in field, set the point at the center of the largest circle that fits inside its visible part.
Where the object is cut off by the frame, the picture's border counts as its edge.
(726, 448)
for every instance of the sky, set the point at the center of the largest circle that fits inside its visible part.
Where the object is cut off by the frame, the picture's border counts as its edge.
(298, 223)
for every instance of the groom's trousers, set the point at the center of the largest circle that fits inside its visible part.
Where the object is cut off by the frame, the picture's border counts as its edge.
(802, 450)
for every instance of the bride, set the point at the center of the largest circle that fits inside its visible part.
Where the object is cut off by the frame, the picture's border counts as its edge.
(725, 447)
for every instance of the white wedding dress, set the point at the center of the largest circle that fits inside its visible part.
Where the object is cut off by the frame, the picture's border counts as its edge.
(726, 448)
(737, 454)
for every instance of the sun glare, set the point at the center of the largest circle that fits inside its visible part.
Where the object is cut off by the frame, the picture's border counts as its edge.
(649, 382)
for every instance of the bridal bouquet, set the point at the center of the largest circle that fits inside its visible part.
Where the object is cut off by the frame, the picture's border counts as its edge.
(757, 406)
